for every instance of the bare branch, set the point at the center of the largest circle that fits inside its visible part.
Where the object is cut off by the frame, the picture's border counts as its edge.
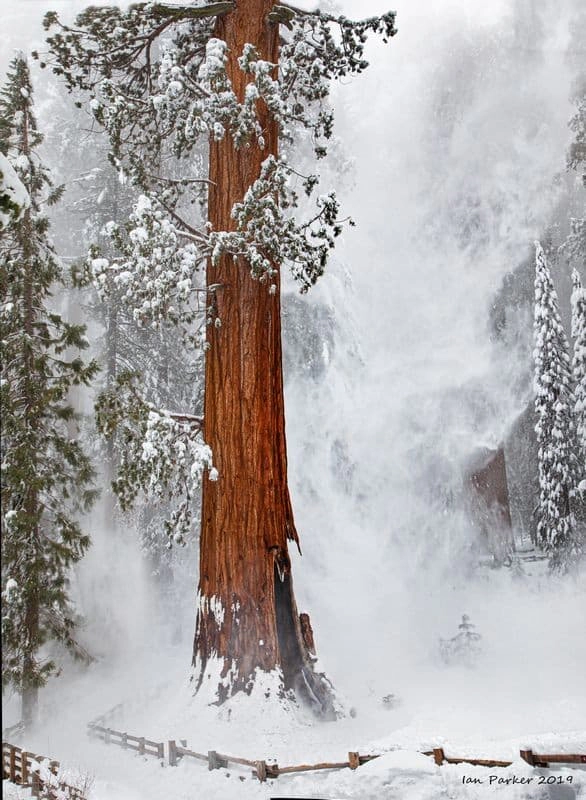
(189, 12)
(188, 419)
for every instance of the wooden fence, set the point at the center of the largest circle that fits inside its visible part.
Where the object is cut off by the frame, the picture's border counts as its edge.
(263, 769)
(534, 759)
(142, 745)
(23, 768)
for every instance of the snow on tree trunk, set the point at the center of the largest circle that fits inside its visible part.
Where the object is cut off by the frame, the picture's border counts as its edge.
(247, 618)
(556, 532)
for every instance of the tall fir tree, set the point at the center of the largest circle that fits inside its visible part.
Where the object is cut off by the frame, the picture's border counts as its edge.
(576, 158)
(556, 532)
(575, 246)
(46, 476)
(574, 251)
(579, 366)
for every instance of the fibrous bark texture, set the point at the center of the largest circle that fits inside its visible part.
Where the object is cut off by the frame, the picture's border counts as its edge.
(247, 615)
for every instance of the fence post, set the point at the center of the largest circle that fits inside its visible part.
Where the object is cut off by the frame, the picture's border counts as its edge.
(353, 760)
(23, 768)
(107, 736)
(141, 746)
(13, 763)
(527, 755)
(36, 784)
(124, 740)
(213, 761)
(261, 771)
(272, 770)
(438, 755)
(172, 753)
(160, 750)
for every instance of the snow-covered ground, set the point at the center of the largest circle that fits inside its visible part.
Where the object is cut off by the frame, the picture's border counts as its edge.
(490, 711)
(400, 773)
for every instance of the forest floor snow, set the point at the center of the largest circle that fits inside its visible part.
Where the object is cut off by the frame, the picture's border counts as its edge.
(456, 709)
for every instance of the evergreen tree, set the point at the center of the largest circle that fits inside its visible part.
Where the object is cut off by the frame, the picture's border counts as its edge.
(464, 648)
(579, 367)
(46, 476)
(575, 245)
(576, 159)
(556, 532)
(252, 78)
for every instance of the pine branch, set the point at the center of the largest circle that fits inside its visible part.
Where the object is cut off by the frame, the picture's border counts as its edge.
(60, 628)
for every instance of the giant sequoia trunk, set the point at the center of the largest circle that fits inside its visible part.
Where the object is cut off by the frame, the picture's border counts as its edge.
(247, 616)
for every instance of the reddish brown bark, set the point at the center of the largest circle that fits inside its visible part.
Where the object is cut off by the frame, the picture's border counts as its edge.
(247, 517)
(490, 504)
(490, 482)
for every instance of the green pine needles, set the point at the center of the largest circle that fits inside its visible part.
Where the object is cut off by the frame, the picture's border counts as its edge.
(46, 476)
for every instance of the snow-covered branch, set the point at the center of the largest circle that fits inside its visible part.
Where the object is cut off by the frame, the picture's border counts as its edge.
(163, 455)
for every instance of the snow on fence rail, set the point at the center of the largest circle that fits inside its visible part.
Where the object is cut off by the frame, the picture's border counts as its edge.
(262, 769)
(26, 769)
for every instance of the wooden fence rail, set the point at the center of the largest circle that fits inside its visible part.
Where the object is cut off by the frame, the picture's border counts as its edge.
(534, 759)
(23, 768)
(142, 745)
(355, 760)
(263, 770)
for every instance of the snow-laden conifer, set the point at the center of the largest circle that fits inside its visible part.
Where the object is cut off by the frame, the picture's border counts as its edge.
(556, 531)
(46, 476)
(463, 649)
(576, 159)
(579, 371)
(579, 359)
